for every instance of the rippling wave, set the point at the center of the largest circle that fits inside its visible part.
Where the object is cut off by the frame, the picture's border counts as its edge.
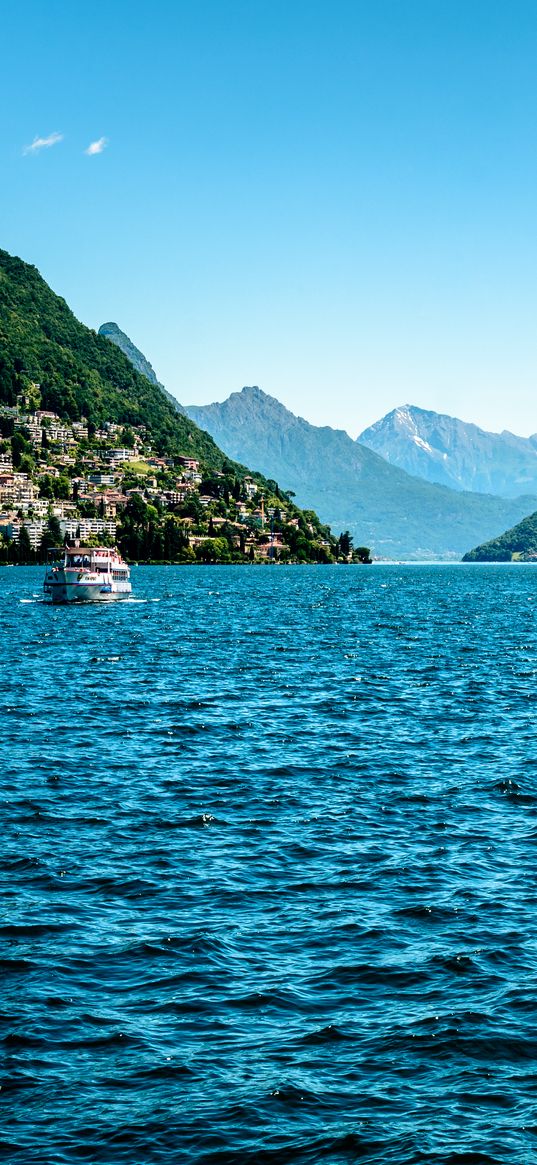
(268, 868)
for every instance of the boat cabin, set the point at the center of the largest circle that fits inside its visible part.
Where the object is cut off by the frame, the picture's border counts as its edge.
(100, 559)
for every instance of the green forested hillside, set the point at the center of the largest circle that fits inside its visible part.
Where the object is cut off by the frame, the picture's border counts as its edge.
(518, 544)
(80, 372)
(172, 495)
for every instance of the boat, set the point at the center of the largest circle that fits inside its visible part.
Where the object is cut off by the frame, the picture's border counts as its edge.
(86, 574)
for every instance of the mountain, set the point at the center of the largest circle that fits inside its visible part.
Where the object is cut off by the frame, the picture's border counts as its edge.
(112, 332)
(443, 449)
(518, 544)
(140, 362)
(79, 372)
(350, 486)
(50, 361)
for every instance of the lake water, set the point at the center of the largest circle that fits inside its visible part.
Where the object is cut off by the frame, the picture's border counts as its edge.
(269, 868)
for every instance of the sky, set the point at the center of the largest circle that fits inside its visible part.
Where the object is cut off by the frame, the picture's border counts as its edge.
(336, 201)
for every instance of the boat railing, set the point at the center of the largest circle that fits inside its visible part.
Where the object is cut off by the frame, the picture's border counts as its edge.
(85, 557)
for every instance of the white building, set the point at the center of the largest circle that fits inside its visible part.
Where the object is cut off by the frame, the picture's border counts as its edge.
(87, 527)
(35, 530)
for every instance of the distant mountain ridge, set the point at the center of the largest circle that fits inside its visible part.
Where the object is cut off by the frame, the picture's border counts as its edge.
(350, 486)
(445, 450)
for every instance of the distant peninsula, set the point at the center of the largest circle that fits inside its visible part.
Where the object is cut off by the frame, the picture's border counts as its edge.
(517, 545)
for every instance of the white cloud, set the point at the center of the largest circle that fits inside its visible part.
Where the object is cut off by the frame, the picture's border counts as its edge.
(96, 147)
(43, 143)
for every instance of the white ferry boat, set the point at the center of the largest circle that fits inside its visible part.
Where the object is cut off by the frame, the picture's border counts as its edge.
(80, 574)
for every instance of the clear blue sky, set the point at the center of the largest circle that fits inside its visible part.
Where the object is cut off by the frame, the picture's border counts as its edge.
(334, 200)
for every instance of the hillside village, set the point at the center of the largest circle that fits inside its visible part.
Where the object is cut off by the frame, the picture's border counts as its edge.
(63, 480)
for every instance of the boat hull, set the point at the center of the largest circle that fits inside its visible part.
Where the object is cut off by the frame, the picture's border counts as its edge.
(82, 593)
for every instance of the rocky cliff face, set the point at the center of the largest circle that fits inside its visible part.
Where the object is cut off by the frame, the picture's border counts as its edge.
(137, 358)
(140, 362)
(350, 486)
(443, 449)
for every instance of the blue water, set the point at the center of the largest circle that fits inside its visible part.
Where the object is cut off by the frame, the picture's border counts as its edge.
(269, 868)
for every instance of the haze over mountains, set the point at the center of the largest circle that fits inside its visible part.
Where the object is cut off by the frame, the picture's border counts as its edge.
(398, 514)
(442, 449)
(350, 486)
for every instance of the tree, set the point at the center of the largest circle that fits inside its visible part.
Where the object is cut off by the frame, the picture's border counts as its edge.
(62, 487)
(19, 447)
(175, 540)
(33, 397)
(213, 550)
(127, 438)
(344, 544)
(46, 487)
(136, 509)
(192, 509)
(362, 554)
(52, 537)
(26, 554)
(26, 464)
